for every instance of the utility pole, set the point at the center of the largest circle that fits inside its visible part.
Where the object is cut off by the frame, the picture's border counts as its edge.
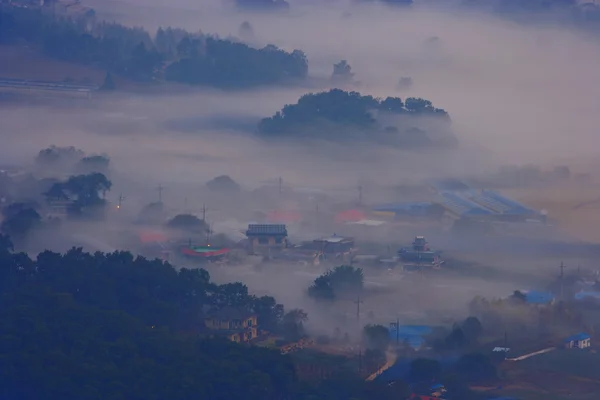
(562, 275)
(160, 190)
(358, 302)
(397, 331)
(208, 232)
(121, 198)
(204, 212)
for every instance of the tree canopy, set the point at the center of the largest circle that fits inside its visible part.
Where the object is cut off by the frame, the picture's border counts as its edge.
(340, 281)
(223, 183)
(341, 113)
(84, 192)
(115, 326)
(172, 54)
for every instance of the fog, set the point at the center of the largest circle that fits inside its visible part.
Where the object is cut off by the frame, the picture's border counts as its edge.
(516, 95)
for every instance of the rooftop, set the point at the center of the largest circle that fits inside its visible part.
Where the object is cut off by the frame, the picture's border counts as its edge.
(577, 337)
(266, 229)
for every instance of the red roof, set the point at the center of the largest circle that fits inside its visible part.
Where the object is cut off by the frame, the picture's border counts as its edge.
(284, 216)
(152, 237)
(350, 216)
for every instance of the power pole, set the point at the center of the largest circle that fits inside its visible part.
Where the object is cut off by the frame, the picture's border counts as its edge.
(160, 190)
(204, 212)
(208, 232)
(358, 302)
(562, 275)
(121, 198)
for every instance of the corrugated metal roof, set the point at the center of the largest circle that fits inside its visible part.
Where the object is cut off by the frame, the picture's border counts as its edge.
(266, 229)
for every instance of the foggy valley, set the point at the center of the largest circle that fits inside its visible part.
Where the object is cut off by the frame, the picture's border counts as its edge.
(310, 177)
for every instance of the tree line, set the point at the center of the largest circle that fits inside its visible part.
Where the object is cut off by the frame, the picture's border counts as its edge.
(115, 326)
(172, 54)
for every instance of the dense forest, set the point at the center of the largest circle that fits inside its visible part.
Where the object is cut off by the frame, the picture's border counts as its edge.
(112, 326)
(342, 114)
(173, 54)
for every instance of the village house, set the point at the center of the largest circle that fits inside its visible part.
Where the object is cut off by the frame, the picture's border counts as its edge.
(238, 325)
(264, 238)
(579, 341)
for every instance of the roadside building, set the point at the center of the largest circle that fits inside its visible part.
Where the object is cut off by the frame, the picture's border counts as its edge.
(578, 341)
(265, 238)
(335, 245)
(238, 325)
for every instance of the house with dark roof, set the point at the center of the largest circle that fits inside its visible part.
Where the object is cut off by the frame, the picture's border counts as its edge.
(237, 324)
(265, 238)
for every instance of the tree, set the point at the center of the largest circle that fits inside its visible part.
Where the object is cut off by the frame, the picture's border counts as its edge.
(342, 280)
(339, 112)
(223, 183)
(269, 312)
(518, 297)
(109, 83)
(322, 289)
(346, 279)
(19, 220)
(83, 190)
(92, 164)
(58, 157)
(292, 325)
(188, 222)
(456, 339)
(472, 329)
(342, 72)
(377, 337)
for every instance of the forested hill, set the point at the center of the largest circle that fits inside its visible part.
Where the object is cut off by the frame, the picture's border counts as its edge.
(171, 54)
(85, 326)
(339, 115)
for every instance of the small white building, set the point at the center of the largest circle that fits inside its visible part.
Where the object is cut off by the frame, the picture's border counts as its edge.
(579, 341)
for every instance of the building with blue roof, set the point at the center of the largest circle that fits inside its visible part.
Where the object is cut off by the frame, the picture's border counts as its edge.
(461, 206)
(535, 297)
(579, 341)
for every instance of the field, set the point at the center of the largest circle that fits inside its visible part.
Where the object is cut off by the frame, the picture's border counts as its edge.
(570, 205)
(24, 62)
